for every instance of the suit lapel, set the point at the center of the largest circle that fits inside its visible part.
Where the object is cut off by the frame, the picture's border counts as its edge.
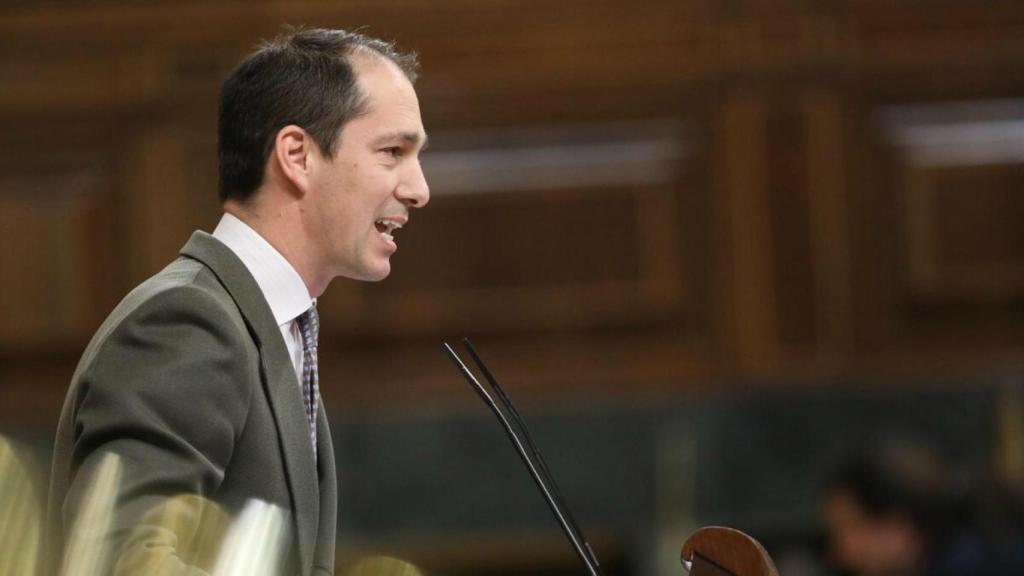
(324, 555)
(279, 381)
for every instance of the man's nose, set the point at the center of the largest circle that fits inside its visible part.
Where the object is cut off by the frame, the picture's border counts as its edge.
(414, 191)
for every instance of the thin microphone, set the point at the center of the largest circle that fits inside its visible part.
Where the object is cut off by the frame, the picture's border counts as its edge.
(534, 450)
(529, 454)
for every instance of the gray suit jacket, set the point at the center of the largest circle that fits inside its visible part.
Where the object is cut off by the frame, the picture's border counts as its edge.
(190, 383)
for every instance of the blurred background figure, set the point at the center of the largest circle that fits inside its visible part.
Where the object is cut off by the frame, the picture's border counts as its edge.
(895, 509)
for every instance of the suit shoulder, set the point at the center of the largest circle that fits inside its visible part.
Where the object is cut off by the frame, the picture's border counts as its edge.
(185, 294)
(184, 281)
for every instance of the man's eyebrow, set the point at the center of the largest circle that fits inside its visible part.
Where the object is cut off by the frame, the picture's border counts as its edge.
(408, 138)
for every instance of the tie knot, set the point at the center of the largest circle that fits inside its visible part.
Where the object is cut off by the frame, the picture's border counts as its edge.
(309, 324)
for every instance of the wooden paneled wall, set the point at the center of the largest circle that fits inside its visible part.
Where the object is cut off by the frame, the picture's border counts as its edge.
(630, 199)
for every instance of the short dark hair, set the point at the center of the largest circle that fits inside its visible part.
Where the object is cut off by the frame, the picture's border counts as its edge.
(302, 77)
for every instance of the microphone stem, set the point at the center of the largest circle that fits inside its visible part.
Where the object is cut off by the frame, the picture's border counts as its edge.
(581, 548)
(531, 448)
(579, 545)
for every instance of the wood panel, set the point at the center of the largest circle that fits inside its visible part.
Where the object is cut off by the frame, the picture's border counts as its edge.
(948, 209)
(961, 166)
(51, 220)
(638, 198)
(60, 271)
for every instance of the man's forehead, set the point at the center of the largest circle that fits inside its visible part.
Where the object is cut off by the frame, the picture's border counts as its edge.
(391, 112)
(370, 67)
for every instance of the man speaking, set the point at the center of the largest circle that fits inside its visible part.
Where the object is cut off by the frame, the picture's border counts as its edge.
(204, 379)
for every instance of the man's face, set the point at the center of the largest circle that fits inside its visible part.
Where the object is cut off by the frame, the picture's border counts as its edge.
(362, 195)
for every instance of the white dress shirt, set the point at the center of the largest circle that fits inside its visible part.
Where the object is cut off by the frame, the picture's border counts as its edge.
(281, 285)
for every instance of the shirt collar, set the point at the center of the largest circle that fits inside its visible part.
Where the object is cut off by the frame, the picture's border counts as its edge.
(281, 285)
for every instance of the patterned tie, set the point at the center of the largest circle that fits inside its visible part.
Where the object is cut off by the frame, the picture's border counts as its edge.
(309, 323)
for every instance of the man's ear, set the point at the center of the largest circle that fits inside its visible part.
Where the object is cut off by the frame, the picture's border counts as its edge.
(294, 151)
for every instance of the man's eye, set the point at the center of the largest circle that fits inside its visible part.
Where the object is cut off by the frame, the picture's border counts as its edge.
(393, 151)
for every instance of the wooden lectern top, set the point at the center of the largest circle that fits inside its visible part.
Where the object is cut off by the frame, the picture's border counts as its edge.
(718, 551)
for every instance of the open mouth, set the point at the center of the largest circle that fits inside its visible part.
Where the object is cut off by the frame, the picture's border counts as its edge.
(387, 228)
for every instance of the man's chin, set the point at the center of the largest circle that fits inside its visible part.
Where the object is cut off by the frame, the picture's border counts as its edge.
(373, 273)
(363, 271)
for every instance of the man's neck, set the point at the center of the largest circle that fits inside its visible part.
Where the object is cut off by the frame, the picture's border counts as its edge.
(281, 228)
